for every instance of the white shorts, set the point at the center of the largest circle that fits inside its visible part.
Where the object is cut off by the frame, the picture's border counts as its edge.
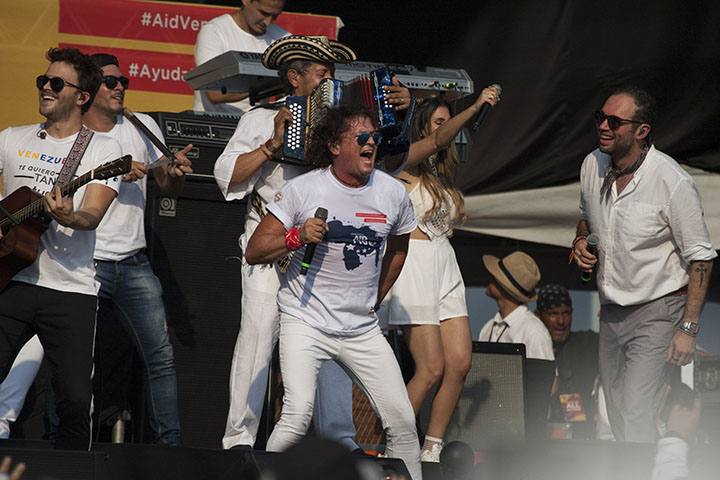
(429, 289)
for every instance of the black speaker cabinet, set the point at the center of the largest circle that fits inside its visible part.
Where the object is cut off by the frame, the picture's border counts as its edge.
(193, 248)
(492, 404)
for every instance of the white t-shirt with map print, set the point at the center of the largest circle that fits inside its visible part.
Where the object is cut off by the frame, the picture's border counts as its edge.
(340, 289)
(65, 255)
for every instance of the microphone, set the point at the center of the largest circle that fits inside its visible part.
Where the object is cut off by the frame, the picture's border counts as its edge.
(484, 109)
(42, 134)
(592, 243)
(322, 214)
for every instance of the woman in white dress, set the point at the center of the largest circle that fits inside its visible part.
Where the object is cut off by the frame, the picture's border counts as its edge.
(428, 299)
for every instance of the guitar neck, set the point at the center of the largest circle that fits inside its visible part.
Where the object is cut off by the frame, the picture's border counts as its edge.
(117, 167)
(36, 208)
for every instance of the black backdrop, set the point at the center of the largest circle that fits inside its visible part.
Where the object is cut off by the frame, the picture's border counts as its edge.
(556, 62)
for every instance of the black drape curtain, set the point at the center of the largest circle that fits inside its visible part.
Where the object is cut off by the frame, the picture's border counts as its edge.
(557, 61)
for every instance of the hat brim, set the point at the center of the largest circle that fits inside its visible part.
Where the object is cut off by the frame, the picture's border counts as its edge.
(299, 47)
(492, 263)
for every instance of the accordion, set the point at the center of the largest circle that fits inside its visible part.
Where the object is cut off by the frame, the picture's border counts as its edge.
(365, 90)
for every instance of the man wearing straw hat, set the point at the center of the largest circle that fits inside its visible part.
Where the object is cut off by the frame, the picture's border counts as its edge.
(245, 168)
(512, 284)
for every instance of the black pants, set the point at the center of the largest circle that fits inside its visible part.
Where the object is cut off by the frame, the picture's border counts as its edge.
(65, 325)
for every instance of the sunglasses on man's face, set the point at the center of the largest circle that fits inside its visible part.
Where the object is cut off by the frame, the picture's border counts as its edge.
(112, 81)
(613, 122)
(56, 83)
(363, 138)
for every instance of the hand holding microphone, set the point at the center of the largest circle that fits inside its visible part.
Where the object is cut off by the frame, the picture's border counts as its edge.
(491, 98)
(593, 240)
(311, 234)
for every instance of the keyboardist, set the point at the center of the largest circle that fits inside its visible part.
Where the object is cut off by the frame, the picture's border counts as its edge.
(249, 29)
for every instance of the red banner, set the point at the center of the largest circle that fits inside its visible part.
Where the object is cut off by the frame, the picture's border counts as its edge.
(165, 22)
(149, 71)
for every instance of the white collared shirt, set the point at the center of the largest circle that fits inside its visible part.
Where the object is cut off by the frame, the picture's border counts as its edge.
(649, 233)
(520, 326)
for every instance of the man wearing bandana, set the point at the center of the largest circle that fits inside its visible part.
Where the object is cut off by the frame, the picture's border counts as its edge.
(576, 360)
(654, 260)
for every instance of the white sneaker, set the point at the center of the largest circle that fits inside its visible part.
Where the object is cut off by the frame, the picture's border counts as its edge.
(432, 455)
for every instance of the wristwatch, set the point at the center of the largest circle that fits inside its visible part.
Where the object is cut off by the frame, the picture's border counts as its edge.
(690, 328)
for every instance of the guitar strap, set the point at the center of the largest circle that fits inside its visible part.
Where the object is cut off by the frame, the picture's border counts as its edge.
(72, 162)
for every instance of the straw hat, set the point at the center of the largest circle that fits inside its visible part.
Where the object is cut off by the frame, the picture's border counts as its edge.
(313, 48)
(517, 273)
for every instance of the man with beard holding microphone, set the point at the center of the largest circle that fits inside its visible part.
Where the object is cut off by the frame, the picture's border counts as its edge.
(654, 260)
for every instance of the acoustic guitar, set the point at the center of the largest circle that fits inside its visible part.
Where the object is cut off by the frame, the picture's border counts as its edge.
(22, 221)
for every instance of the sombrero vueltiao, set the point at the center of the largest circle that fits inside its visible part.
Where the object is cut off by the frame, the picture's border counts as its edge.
(301, 47)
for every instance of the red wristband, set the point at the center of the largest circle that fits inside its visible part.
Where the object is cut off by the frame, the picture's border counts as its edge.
(292, 239)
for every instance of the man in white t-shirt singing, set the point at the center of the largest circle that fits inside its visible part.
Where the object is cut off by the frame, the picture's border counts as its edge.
(328, 314)
(249, 29)
(55, 297)
(247, 168)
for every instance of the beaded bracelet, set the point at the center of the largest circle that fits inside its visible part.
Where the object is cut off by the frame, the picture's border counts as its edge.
(578, 238)
(292, 239)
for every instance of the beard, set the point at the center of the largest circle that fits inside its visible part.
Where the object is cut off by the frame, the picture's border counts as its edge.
(60, 111)
(619, 149)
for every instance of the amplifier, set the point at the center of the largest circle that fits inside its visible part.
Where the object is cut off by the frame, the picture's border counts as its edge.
(209, 133)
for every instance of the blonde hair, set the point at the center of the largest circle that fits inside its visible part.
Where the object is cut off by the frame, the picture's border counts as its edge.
(437, 172)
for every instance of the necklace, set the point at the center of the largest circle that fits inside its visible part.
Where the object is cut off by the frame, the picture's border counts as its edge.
(351, 185)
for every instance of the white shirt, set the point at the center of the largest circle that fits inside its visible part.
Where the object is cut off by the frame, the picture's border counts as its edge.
(520, 326)
(220, 35)
(121, 232)
(253, 130)
(671, 459)
(65, 255)
(649, 233)
(340, 289)
(438, 226)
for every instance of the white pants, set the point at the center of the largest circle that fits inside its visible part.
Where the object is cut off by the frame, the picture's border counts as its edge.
(16, 385)
(368, 360)
(256, 339)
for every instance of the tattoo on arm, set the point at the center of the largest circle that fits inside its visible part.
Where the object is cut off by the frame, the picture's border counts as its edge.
(702, 269)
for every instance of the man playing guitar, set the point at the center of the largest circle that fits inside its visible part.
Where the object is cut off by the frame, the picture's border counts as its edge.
(55, 297)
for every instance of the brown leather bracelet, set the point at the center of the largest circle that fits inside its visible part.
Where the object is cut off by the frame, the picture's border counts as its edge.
(266, 151)
(271, 146)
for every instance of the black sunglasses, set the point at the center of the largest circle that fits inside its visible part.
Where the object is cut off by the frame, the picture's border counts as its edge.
(363, 138)
(111, 81)
(56, 83)
(613, 122)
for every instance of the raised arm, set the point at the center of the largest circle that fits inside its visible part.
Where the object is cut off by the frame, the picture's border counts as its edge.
(444, 135)
(247, 163)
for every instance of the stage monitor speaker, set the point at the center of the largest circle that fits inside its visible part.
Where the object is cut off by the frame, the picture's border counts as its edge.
(193, 249)
(492, 404)
(44, 463)
(208, 132)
